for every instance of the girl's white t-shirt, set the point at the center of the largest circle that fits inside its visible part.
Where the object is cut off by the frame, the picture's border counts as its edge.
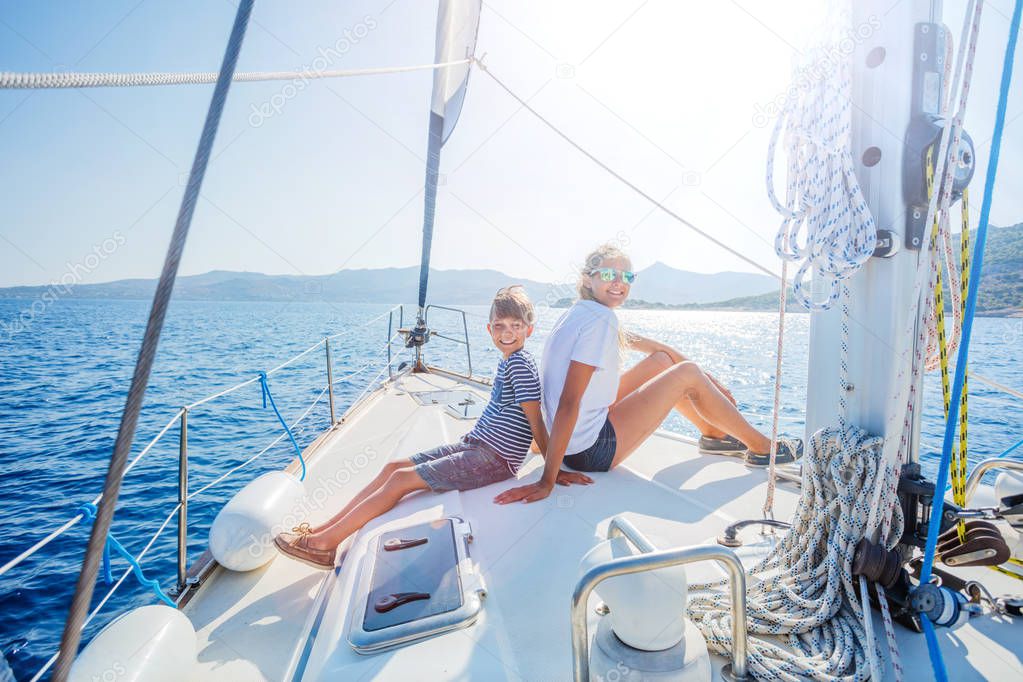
(587, 333)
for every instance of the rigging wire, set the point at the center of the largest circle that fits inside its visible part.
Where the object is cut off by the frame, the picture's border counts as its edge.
(136, 393)
(657, 204)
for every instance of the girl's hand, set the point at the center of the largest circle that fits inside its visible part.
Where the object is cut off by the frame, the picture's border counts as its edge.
(525, 493)
(570, 477)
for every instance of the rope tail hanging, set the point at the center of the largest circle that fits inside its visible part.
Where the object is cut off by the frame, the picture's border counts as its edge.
(287, 429)
(89, 510)
(144, 364)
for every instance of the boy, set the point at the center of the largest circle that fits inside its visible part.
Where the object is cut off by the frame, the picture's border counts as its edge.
(491, 452)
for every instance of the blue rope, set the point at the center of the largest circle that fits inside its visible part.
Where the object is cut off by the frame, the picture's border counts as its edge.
(1012, 449)
(964, 343)
(267, 395)
(89, 509)
(937, 662)
(971, 297)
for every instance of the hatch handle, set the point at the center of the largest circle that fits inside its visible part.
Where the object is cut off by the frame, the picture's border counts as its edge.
(396, 599)
(394, 544)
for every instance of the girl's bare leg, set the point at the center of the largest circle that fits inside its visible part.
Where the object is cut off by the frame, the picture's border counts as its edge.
(374, 485)
(649, 367)
(639, 413)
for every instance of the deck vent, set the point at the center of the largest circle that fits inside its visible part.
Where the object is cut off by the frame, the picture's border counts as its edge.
(459, 404)
(415, 582)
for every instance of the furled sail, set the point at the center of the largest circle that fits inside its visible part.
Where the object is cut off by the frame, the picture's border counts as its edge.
(457, 24)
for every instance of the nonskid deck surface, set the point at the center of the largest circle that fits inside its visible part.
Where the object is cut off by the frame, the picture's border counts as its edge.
(257, 625)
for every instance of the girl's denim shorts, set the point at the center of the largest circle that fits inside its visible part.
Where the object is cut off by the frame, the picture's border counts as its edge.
(600, 455)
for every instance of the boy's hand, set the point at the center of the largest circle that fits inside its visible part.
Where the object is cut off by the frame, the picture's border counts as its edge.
(570, 477)
(525, 493)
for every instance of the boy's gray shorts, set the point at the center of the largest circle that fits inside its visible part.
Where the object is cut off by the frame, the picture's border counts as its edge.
(465, 465)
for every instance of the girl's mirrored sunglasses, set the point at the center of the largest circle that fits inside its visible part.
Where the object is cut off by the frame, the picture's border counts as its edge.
(610, 274)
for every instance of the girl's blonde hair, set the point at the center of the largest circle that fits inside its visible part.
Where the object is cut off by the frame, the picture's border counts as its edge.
(593, 260)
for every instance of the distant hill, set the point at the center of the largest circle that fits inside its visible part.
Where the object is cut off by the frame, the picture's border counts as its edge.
(391, 285)
(1001, 286)
(664, 284)
(382, 285)
(1000, 294)
(657, 287)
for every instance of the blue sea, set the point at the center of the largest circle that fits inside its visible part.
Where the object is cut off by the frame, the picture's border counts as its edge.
(65, 368)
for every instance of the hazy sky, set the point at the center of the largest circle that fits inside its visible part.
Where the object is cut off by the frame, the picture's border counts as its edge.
(663, 90)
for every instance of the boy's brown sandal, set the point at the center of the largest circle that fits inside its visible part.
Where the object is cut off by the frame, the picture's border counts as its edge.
(295, 545)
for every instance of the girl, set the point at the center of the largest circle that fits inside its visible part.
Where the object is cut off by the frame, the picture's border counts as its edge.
(597, 417)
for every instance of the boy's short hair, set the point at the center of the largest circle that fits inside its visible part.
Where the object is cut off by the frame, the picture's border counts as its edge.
(514, 303)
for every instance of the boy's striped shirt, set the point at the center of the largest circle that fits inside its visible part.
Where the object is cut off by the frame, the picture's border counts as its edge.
(503, 425)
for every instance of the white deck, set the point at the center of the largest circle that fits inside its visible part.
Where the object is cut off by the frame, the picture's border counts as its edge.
(255, 625)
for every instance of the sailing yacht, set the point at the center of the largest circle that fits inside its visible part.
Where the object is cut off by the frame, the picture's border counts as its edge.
(678, 566)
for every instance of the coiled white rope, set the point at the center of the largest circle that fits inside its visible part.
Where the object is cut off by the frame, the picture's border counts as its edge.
(827, 227)
(804, 588)
(55, 80)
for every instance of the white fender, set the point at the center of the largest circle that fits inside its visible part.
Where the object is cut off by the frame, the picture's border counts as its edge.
(151, 643)
(241, 537)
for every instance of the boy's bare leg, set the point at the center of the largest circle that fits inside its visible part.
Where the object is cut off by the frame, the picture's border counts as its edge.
(374, 485)
(399, 484)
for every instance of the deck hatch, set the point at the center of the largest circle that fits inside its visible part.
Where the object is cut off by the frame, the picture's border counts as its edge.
(413, 584)
(460, 404)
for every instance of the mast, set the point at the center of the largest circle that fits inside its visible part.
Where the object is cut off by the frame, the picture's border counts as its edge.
(893, 89)
(457, 25)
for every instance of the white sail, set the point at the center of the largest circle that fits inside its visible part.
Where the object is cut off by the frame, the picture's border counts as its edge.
(457, 25)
